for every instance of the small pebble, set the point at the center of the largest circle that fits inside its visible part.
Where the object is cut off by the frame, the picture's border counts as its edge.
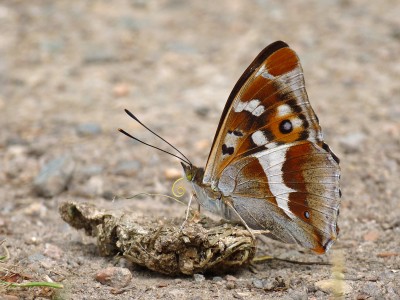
(96, 54)
(269, 284)
(230, 278)
(372, 289)
(177, 280)
(114, 277)
(371, 236)
(352, 143)
(311, 288)
(199, 277)
(230, 285)
(54, 177)
(48, 263)
(172, 173)
(258, 283)
(90, 189)
(88, 129)
(108, 195)
(35, 209)
(52, 251)
(91, 170)
(217, 278)
(36, 257)
(121, 90)
(127, 168)
(202, 111)
(17, 150)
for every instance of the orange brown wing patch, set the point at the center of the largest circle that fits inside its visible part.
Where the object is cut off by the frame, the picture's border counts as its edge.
(315, 176)
(282, 61)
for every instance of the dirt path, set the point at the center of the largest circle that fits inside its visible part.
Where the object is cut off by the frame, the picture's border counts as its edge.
(68, 70)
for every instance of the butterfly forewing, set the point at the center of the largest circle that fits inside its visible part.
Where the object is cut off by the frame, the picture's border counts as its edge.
(268, 155)
(270, 108)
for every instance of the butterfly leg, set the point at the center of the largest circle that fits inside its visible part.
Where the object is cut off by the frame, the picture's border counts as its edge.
(253, 232)
(188, 210)
(241, 219)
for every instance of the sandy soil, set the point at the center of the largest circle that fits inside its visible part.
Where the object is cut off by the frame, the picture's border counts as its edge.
(67, 70)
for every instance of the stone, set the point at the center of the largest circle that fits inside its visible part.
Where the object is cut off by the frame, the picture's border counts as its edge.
(114, 276)
(35, 209)
(83, 173)
(121, 90)
(202, 111)
(88, 129)
(52, 251)
(36, 257)
(54, 177)
(269, 284)
(199, 277)
(99, 55)
(372, 289)
(217, 278)
(258, 283)
(90, 189)
(173, 173)
(127, 168)
(352, 142)
(230, 285)
(371, 236)
(230, 278)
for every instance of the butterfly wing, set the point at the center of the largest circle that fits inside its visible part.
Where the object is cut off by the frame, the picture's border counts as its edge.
(269, 157)
(291, 190)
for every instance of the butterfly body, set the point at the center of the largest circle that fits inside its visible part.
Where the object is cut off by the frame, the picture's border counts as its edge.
(268, 166)
(209, 198)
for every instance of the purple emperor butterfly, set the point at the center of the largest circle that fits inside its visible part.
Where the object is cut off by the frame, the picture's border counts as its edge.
(269, 167)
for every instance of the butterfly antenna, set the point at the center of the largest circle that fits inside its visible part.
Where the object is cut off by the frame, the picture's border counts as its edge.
(137, 120)
(162, 150)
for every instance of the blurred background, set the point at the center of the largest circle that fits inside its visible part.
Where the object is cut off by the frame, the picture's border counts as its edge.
(69, 68)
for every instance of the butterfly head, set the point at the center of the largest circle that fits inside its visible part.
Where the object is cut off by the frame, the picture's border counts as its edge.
(192, 173)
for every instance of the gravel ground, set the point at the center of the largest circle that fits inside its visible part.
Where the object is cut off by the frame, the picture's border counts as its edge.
(67, 70)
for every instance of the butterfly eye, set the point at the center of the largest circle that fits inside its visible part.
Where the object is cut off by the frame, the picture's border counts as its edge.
(306, 214)
(285, 126)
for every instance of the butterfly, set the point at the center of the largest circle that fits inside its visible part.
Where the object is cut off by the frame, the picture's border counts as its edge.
(269, 167)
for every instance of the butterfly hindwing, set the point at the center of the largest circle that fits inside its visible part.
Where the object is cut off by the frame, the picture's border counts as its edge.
(297, 183)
